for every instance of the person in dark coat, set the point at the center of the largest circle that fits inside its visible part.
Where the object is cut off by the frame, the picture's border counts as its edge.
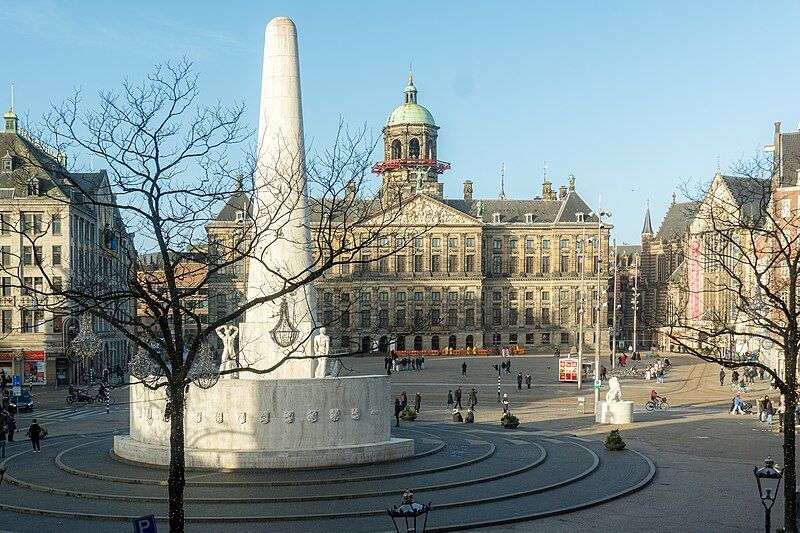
(470, 417)
(417, 402)
(473, 398)
(734, 377)
(508, 367)
(519, 381)
(464, 368)
(34, 433)
(721, 377)
(397, 409)
(12, 426)
(458, 398)
(528, 379)
(403, 399)
(450, 399)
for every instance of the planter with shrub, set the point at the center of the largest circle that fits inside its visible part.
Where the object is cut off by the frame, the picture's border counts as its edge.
(509, 421)
(408, 414)
(614, 441)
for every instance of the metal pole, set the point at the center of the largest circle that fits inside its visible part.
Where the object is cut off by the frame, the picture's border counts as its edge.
(498, 383)
(581, 309)
(635, 299)
(597, 304)
(767, 518)
(614, 319)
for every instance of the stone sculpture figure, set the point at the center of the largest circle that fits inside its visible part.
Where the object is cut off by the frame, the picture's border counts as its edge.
(614, 393)
(322, 347)
(227, 334)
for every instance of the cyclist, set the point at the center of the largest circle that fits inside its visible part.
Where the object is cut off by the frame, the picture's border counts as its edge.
(655, 398)
(102, 394)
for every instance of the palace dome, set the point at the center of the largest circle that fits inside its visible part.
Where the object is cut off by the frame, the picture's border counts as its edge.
(410, 112)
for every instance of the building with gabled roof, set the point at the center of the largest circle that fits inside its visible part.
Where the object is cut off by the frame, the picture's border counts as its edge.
(52, 236)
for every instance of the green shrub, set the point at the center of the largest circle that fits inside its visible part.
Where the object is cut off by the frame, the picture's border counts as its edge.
(614, 441)
(408, 414)
(509, 421)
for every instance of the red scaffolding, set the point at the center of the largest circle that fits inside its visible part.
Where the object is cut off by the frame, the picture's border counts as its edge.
(393, 164)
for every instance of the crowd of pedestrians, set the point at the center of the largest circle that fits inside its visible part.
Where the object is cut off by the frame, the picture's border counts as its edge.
(393, 363)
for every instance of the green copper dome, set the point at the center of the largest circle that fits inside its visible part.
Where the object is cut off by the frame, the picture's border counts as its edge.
(410, 112)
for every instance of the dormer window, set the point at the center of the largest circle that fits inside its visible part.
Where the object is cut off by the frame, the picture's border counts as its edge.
(496, 218)
(7, 163)
(239, 217)
(33, 187)
(529, 218)
(579, 217)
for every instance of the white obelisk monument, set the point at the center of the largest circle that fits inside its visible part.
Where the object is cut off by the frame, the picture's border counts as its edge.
(283, 238)
(286, 418)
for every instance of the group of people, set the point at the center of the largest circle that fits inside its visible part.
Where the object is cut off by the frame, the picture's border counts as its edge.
(657, 370)
(454, 403)
(8, 426)
(527, 379)
(741, 381)
(401, 402)
(393, 363)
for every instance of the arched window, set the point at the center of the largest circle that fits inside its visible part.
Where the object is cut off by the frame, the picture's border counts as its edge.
(418, 342)
(435, 342)
(400, 343)
(451, 342)
(431, 150)
(413, 149)
(396, 149)
(366, 344)
(470, 342)
(383, 344)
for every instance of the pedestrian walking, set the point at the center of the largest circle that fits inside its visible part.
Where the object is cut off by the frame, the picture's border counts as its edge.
(528, 379)
(767, 410)
(508, 366)
(464, 368)
(450, 399)
(397, 410)
(417, 402)
(734, 377)
(12, 427)
(473, 398)
(761, 374)
(34, 433)
(722, 377)
(3, 437)
(403, 399)
(458, 398)
(602, 373)
(505, 403)
(519, 381)
(781, 412)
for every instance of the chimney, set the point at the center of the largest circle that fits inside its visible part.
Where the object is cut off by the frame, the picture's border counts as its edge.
(468, 191)
(547, 190)
(777, 127)
(562, 192)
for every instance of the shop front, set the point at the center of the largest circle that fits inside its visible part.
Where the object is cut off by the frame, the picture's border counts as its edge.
(29, 363)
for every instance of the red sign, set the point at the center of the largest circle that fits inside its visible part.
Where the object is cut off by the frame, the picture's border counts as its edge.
(28, 355)
(568, 370)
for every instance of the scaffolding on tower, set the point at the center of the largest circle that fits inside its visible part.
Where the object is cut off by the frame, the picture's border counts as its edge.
(393, 164)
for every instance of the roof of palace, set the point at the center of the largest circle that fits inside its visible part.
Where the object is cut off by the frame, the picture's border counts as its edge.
(410, 112)
(677, 220)
(511, 211)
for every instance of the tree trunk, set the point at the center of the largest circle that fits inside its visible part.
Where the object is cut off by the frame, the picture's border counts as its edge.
(789, 474)
(177, 461)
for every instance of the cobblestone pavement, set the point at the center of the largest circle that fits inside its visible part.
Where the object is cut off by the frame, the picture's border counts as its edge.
(703, 480)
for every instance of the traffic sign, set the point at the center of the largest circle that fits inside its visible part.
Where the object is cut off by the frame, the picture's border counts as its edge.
(145, 524)
(16, 384)
(598, 383)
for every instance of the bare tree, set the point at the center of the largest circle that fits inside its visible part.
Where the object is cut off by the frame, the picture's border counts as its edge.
(735, 297)
(170, 167)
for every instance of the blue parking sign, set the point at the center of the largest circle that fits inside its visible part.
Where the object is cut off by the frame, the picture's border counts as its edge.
(145, 524)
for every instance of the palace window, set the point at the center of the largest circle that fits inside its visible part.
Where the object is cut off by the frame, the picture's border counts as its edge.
(497, 244)
(413, 149)
(452, 263)
(397, 149)
(436, 241)
(453, 242)
(470, 263)
(400, 296)
(470, 241)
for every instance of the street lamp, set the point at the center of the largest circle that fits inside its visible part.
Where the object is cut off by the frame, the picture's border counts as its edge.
(408, 513)
(768, 478)
(599, 247)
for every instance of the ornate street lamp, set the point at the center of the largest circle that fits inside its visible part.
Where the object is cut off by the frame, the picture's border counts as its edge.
(284, 333)
(86, 343)
(142, 365)
(768, 478)
(408, 513)
(204, 373)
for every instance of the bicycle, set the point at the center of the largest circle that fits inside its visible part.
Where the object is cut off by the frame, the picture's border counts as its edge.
(660, 403)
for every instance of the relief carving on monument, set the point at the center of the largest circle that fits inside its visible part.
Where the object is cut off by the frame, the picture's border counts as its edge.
(312, 416)
(241, 417)
(150, 413)
(288, 417)
(218, 417)
(374, 412)
(264, 417)
(198, 417)
(335, 414)
(355, 413)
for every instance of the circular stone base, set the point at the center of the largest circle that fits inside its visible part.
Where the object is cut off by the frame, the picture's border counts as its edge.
(151, 454)
(614, 413)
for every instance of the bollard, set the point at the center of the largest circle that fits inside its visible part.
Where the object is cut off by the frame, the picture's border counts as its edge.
(582, 405)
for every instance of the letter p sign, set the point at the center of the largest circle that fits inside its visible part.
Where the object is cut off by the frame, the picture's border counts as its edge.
(145, 524)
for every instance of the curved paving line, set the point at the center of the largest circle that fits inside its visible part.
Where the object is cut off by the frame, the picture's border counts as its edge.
(563, 510)
(323, 497)
(330, 516)
(137, 481)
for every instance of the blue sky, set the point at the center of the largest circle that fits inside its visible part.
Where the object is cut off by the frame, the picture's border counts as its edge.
(634, 98)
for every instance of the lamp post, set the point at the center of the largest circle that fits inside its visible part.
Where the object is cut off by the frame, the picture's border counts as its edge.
(614, 318)
(406, 515)
(86, 343)
(581, 298)
(599, 214)
(768, 478)
(635, 299)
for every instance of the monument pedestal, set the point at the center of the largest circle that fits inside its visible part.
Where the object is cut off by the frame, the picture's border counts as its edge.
(266, 423)
(613, 413)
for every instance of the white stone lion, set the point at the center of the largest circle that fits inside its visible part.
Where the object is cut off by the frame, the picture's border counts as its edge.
(614, 393)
